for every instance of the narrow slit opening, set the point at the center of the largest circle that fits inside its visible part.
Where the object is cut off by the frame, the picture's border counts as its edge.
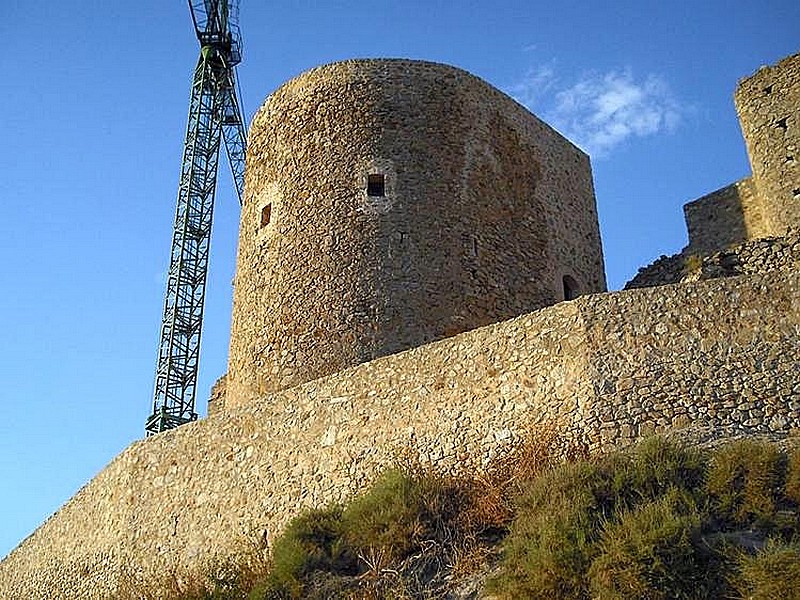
(266, 215)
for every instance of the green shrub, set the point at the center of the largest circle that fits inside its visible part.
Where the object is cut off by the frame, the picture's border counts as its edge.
(692, 263)
(647, 553)
(549, 560)
(550, 543)
(658, 465)
(744, 482)
(554, 537)
(772, 573)
(311, 542)
(792, 487)
(644, 472)
(391, 518)
(386, 524)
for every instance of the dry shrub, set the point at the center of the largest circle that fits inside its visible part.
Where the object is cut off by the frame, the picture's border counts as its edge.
(647, 553)
(792, 486)
(412, 532)
(494, 490)
(744, 482)
(772, 573)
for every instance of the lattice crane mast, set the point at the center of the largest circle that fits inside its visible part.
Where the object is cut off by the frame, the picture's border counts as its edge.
(214, 115)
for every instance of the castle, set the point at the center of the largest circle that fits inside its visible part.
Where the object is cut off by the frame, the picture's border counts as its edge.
(407, 241)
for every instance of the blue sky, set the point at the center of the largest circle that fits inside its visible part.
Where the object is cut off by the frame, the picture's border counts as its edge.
(94, 107)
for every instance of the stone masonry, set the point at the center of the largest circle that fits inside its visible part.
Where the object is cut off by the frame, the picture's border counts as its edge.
(756, 256)
(768, 104)
(480, 212)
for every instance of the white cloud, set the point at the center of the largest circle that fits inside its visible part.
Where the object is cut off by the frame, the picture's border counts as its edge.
(537, 82)
(600, 111)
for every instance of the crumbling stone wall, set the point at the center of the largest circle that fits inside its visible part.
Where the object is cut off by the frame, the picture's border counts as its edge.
(483, 213)
(756, 256)
(216, 398)
(721, 354)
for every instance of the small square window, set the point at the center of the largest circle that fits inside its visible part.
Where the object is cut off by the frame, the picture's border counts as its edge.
(376, 184)
(266, 214)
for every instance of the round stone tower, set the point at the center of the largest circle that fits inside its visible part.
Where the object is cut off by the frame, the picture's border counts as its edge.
(390, 203)
(767, 103)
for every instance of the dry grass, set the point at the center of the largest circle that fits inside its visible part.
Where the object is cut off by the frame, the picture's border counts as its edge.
(412, 533)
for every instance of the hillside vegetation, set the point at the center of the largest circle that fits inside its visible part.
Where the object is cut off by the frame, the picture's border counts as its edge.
(660, 520)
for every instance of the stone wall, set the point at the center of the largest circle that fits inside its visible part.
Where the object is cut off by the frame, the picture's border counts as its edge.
(768, 104)
(483, 213)
(698, 353)
(724, 218)
(756, 256)
(216, 398)
(723, 354)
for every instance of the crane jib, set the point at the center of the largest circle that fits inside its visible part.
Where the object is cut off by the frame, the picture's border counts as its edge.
(214, 16)
(215, 119)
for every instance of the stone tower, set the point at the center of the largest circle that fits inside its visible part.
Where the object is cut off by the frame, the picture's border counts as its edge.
(390, 203)
(768, 104)
(768, 203)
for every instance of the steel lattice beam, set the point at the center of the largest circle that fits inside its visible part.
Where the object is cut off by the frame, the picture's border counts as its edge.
(214, 115)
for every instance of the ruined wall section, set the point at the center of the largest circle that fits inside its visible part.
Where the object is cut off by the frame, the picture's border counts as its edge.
(485, 210)
(722, 355)
(726, 217)
(768, 104)
(756, 256)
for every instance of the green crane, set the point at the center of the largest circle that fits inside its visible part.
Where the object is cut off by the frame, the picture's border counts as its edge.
(214, 115)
